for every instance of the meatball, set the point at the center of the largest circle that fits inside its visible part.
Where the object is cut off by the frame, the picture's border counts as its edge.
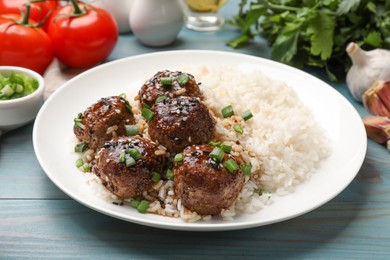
(204, 185)
(103, 120)
(180, 122)
(182, 84)
(124, 176)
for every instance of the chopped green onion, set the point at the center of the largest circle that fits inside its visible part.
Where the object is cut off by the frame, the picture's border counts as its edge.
(129, 161)
(147, 114)
(19, 88)
(79, 162)
(7, 91)
(16, 95)
(80, 125)
(135, 203)
(78, 121)
(215, 143)
(227, 111)
(16, 78)
(230, 165)
(246, 115)
(238, 129)
(86, 167)
(122, 95)
(170, 174)
(143, 206)
(122, 157)
(217, 154)
(30, 85)
(166, 81)
(264, 192)
(178, 157)
(183, 79)
(127, 105)
(135, 153)
(16, 85)
(146, 106)
(161, 98)
(79, 117)
(132, 130)
(156, 176)
(246, 169)
(226, 148)
(79, 148)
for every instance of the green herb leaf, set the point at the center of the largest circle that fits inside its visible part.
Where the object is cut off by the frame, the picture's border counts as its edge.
(285, 48)
(238, 42)
(374, 39)
(312, 32)
(321, 29)
(371, 6)
(347, 6)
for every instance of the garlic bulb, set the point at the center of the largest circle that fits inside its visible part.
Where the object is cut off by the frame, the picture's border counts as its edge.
(367, 68)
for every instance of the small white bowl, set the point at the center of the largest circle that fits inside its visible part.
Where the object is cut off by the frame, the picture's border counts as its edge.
(20, 111)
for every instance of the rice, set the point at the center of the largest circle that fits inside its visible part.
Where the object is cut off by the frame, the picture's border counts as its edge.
(283, 141)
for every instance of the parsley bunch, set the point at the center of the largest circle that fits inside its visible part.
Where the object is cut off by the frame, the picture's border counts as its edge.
(315, 32)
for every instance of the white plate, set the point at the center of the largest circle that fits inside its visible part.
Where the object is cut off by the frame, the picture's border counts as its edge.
(53, 132)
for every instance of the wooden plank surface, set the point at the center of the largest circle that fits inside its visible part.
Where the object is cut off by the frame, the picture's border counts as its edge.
(341, 229)
(21, 176)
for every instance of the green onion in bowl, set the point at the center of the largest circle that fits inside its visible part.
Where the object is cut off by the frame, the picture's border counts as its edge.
(21, 96)
(15, 85)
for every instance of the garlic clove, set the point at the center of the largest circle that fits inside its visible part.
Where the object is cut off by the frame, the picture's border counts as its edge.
(377, 128)
(383, 90)
(376, 99)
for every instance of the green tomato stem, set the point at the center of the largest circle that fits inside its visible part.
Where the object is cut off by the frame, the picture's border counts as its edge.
(26, 15)
(76, 8)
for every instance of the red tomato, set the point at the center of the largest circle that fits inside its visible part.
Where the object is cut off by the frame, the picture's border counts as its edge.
(38, 12)
(84, 40)
(24, 46)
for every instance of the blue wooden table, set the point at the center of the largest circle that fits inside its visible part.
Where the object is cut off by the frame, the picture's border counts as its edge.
(37, 220)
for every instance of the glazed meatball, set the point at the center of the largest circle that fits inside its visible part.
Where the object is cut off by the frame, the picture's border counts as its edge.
(180, 122)
(182, 84)
(124, 176)
(204, 185)
(103, 120)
